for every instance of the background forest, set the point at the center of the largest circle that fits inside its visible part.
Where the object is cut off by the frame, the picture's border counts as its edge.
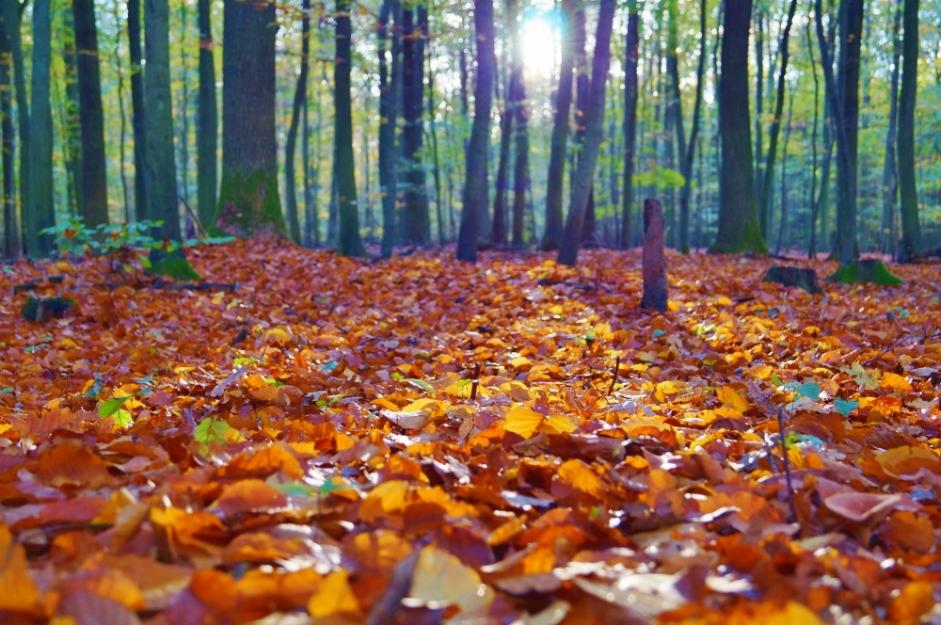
(77, 94)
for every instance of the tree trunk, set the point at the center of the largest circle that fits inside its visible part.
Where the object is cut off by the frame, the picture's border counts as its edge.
(162, 198)
(40, 211)
(389, 91)
(655, 273)
(889, 168)
(71, 139)
(207, 122)
(348, 239)
(594, 120)
(290, 145)
(687, 150)
(782, 223)
(122, 123)
(475, 182)
(416, 226)
(519, 126)
(12, 14)
(814, 206)
(631, 56)
(11, 231)
(767, 176)
(248, 194)
(93, 198)
(182, 142)
(560, 131)
(501, 186)
(759, 22)
(433, 140)
(739, 230)
(137, 108)
(908, 193)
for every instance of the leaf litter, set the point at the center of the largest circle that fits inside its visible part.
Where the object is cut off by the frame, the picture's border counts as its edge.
(423, 441)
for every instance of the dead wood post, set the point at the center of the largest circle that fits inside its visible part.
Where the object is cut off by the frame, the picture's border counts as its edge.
(655, 274)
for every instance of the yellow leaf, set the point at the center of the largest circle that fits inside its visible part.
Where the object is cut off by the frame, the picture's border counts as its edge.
(387, 497)
(557, 424)
(579, 476)
(523, 421)
(333, 596)
(894, 382)
(667, 387)
(441, 579)
(910, 605)
(732, 397)
(906, 460)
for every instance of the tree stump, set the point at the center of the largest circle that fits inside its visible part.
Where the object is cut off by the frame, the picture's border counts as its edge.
(865, 270)
(793, 276)
(655, 273)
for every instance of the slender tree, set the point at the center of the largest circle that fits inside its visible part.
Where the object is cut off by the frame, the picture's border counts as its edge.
(162, 201)
(631, 56)
(767, 176)
(498, 226)
(207, 120)
(389, 97)
(40, 210)
(348, 239)
(908, 193)
(686, 149)
(738, 210)
(520, 126)
(11, 231)
(136, 50)
(248, 194)
(594, 122)
(13, 15)
(290, 145)
(475, 174)
(889, 168)
(93, 198)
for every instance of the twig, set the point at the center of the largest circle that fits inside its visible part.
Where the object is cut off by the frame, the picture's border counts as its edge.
(475, 383)
(614, 378)
(787, 466)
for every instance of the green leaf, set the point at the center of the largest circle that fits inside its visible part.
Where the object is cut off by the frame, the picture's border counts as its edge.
(845, 406)
(108, 407)
(777, 381)
(211, 431)
(122, 418)
(5, 390)
(295, 489)
(420, 385)
(173, 265)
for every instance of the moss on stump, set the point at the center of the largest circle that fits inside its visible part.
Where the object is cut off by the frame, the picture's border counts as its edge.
(869, 270)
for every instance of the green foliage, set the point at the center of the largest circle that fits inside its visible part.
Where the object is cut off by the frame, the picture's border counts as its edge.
(845, 406)
(211, 431)
(663, 178)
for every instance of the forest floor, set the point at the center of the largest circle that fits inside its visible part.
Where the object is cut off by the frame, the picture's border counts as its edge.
(420, 440)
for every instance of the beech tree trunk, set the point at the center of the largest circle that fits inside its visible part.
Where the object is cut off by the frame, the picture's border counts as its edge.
(248, 194)
(207, 122)
(93, 196)
(137, 108)
(11, 231)
(631, 57)
(389, 98)
(560, 131)
(416, 223)
(290, 144)
(594, 120)
(908, 193)
(162, 200)
(348, 238)
(40, 212)
(475, 181)
(738, 209)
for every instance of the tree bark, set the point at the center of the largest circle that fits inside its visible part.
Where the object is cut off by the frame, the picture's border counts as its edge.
(40, 212)
(655, 274)
(11, 230)
(501, 185)
(416, 226)
(93, 198)
(290, 145)
(137, 107)
(739, 230)
(594, 120)
(389, 98)
(13, 15)
(630, 120)
(348, 239)
(890, 182)
(520, 126)
(908, 193)
(767, 175)
(475, 182)
(248, 194)
(560, 131)
(162, 200)
(207, 122)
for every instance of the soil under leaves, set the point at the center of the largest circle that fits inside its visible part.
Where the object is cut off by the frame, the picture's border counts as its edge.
(424, 441)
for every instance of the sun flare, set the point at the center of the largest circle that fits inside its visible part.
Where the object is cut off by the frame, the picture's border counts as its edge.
(539, 39)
